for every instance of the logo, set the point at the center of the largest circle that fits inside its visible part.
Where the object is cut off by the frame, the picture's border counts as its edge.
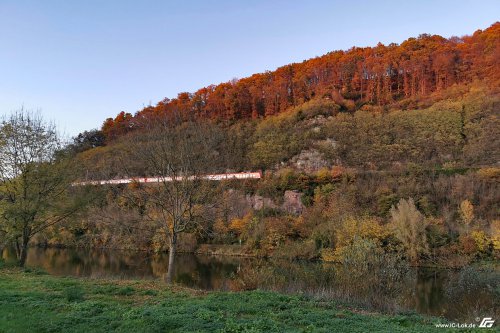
(486, 322)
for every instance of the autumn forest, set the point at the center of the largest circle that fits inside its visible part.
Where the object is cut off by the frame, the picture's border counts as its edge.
(390, 76)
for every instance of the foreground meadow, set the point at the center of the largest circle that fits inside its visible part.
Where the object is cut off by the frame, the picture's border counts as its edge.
(32, 301)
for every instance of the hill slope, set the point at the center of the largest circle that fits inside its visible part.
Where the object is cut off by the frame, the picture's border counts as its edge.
(401, 76)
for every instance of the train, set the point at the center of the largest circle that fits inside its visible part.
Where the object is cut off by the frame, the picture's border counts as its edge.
(159, 179)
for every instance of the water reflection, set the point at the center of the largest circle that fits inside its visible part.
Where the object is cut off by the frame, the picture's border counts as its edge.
(452, 294)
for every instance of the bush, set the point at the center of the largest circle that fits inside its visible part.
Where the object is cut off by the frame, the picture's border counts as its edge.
(359, 255)
(481, 240)
(471, 286)
(368, 272)
(366, 228)
(239, 226)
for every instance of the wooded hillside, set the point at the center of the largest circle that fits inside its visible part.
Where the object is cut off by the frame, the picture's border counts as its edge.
(400, 76)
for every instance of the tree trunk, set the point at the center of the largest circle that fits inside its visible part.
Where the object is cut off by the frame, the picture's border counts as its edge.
(171, 257)
(23, 251)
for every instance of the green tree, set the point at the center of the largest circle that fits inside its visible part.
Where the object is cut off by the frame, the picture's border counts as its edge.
(34, 181)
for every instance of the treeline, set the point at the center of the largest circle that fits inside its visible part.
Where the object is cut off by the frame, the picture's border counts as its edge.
(402, 76)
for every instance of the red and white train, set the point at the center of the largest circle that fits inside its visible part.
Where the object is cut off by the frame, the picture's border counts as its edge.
(220, 176)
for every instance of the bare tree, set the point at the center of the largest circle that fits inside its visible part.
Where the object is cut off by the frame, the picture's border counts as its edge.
(33, 181)
(178, 154)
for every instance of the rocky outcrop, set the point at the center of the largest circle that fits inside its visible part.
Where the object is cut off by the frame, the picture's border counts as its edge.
(258, 202)
(309, 161)
(238, 204)
(293, 202)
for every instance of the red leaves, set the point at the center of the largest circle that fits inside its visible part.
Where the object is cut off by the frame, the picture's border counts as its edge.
(379, 75)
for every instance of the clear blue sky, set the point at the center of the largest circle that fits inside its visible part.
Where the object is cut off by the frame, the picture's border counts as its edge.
(80, 62)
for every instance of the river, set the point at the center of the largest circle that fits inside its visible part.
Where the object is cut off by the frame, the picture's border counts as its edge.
(455, 294)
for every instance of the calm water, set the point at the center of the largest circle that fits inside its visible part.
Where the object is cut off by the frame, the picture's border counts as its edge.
(465, 294)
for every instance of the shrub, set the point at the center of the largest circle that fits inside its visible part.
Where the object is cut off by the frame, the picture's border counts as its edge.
(337, 172)
(187, 242)
(359, 255)
(366, 228)
(240, 225)
(220, 231)
(323, 176)
(437, 234)
(324, 234)
(469, 287)
(481, 240)
(385, 202)
(35, 270)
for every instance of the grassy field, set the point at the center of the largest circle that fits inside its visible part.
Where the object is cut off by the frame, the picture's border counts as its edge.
(32, 301)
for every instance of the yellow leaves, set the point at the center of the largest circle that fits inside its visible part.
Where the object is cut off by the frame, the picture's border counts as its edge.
(300, 227)
(481, 240)
(466, 210)
(435, 221)
(489, 173)
(495, 234)
(368, 228)
(240, 225)
(328, 255)
(478, 242)
(277, 230)
(323, 175)
(352, 230)
(272, 240)
(371, 228)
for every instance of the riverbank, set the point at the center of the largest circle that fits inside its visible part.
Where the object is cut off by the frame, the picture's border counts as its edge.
(31, 300)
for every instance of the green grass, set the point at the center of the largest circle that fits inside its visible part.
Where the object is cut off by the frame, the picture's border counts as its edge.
(34, 302)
